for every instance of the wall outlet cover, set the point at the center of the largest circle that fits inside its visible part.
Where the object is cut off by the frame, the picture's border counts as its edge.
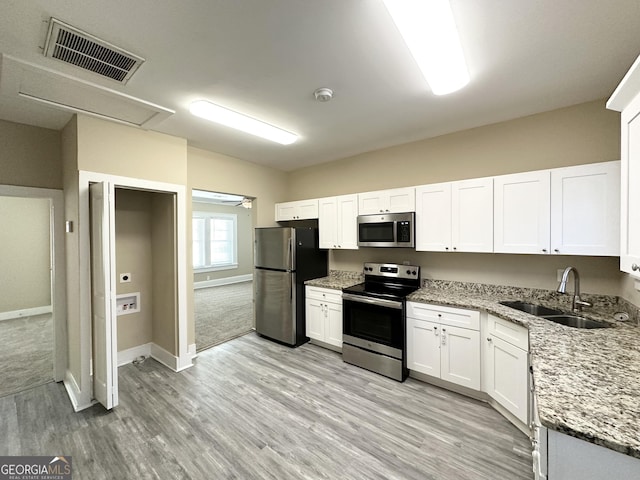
(125, 277)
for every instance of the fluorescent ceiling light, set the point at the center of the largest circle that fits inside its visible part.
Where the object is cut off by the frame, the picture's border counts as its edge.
(216, 113)
(429, 31)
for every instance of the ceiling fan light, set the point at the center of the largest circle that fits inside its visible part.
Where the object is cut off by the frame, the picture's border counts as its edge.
(224, 116)
(430, 32)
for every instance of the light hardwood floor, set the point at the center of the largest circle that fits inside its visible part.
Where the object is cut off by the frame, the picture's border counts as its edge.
(251, 408)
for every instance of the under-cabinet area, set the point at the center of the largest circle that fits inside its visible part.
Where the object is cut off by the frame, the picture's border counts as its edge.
(145, 264)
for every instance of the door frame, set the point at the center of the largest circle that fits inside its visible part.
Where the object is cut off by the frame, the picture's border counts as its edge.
(85, 178)
(58, 271)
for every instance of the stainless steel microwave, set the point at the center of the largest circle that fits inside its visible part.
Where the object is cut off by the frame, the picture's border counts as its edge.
(386, 230)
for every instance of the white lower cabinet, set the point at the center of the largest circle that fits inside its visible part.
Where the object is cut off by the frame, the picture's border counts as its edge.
(324, 315)
(506, 377)
(444, 342)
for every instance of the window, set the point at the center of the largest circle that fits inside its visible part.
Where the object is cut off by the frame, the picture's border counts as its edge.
(214, 241)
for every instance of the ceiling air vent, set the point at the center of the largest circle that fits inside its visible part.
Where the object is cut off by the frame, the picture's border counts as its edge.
(78, 48)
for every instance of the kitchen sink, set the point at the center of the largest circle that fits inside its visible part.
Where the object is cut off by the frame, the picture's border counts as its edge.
(575, 321)
(531, 308)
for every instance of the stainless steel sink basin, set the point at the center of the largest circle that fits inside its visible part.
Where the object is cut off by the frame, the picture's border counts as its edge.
(531, 308)
(575, 321)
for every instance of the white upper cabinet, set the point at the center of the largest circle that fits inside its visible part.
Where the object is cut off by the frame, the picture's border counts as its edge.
(433, 217)
(455, 216)
(626, 99)
(337, 222)
(522, 212)
(472, 215)
(585, 206)
(397, 200)
(300, 210)
(563, 211)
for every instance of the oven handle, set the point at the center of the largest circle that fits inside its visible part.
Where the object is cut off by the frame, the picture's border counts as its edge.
(373, 301)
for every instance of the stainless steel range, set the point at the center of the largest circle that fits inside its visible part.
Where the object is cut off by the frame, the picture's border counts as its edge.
(374, 321)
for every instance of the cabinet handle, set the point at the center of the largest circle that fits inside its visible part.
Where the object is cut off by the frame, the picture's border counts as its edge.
(454, 248)
(387, 210)
(489, 339)
(635, 267)
(381, 211)
(544, 250)
(446, 248)
(435, 331)
(444, 338)
(556, 250)
(339, 246)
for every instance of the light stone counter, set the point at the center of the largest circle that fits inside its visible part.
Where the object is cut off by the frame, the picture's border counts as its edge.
(337, 280)
(587, 381)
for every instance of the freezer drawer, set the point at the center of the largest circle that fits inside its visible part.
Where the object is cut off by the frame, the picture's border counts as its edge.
(276, 305)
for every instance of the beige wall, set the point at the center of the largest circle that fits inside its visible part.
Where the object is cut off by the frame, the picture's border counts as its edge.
(585, 133)
(220, 173)
(134, 256)
(245, 241)
(76, 328)
(108, 147)
(25, 256)
(30, 156)
(163, 245)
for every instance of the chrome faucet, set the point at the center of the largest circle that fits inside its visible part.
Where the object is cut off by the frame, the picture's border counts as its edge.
(577, 303)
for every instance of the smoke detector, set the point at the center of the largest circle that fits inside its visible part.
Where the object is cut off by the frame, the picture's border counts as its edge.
(323, 94)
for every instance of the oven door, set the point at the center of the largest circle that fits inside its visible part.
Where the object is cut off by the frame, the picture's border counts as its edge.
(374, 324)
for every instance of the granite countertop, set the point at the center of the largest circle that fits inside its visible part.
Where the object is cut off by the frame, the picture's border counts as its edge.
(337, 280)
(587, 382)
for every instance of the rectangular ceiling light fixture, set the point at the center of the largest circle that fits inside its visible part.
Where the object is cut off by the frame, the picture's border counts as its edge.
(429, 30)
(224, 116)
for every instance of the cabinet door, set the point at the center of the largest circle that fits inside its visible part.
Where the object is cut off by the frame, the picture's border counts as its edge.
(423, 346)
(472, 215)
(328, 222)
(347, 222)
(307, 209)
(585, 206)
(522, 209)
(507, 377)
(333, 324)
(314, 316)
(285, 211)
(433, 217)
(372, 202)
(630, 207)
(460, 356)
(401, 200)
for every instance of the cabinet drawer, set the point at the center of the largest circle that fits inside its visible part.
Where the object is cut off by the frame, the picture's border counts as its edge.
(455, 317)
(324, 294)
(510, 332)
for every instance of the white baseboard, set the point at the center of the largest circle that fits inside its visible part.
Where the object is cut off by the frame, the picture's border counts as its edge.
(191, 351)
(164, 357)
(75, 395)
(26, 312)
(130, 354)
(223, 281)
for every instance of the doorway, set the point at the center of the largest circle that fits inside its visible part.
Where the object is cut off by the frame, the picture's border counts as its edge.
(222, 226)
(31, 288)
(136, 244)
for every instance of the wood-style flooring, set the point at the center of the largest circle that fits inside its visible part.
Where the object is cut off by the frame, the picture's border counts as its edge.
(253, 409)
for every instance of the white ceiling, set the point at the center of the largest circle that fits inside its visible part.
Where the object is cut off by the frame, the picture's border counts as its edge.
(266, 57)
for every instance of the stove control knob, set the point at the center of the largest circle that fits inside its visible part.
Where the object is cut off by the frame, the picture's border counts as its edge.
(408, 272)
(413, 273)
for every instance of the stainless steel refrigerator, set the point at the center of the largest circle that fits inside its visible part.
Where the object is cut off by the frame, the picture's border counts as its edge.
(285, 257)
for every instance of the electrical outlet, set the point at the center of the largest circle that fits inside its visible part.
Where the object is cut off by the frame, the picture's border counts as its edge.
(125, 278)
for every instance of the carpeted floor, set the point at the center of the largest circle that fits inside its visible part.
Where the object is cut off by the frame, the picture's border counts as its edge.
(26, 356)
(222, 313)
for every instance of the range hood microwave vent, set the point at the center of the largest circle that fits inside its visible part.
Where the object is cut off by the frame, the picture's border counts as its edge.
(73, 46)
